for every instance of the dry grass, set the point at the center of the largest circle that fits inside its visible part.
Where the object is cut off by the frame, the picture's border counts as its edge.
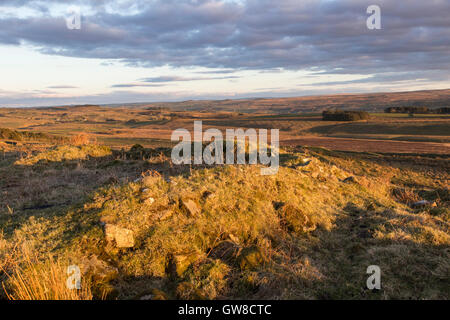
(67, 153)
(301, 234)
(81, 139)
(42, 280)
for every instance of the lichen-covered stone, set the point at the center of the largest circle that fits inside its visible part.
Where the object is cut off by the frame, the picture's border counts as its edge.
(178, 264)
(251, 258)
(191, 207)
(122, 237)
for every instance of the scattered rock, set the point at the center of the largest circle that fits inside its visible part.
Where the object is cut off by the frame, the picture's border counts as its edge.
(305, 162)
(251, 258)
(98, 269)
(350, 179)
(207, 194)
(166, 214)
(424, 203)
(191, 207)
(100, 273)
(278, 204)
(226, 251)
(123, 238)
(295, 219)
(233, 238)
(178, 264)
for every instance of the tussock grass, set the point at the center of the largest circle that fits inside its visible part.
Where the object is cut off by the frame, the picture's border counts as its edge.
(27, 276)
(81, 139)
(67, 153)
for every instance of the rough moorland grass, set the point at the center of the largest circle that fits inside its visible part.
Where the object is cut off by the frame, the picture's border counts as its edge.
(303, 233)
(43, 280)
(67, 153)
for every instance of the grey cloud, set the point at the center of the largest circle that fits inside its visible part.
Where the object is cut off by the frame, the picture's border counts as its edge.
(253, 34)
(165, 79)
(62, 87)
(132, 85)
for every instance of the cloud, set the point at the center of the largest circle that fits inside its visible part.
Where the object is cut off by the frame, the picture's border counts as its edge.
(62, 87)
(252, 34)
(323, 37)
(133, 85)
(165, 79)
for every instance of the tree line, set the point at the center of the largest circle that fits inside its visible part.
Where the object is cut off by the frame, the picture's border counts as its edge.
(418, 110)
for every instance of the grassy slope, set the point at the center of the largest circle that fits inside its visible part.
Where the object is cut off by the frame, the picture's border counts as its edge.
(303, 233)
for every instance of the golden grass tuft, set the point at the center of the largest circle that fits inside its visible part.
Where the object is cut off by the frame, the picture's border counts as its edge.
(81, 139)
(67, 153)
(42, 280)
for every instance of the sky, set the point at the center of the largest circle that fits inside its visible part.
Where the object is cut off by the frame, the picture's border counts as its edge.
(173, 50)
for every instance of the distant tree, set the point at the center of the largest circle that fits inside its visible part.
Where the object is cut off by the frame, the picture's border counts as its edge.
(344, 115)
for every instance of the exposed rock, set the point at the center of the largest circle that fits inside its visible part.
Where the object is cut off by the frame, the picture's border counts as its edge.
(166, 214)
(305, 162)
(295, 219)
(207, 195)
(350, 179)
(251, 258)
(424, 203)
(278, 204)
(98, 269)
(225, 251)
(123, 238)
(233, 238)
(178, 264)
(100, 273)
(191, 207)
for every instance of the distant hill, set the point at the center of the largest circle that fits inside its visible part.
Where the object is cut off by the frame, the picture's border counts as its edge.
(375, 102)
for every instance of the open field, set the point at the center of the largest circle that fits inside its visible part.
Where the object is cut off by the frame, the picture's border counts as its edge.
(373, 102)
(124, 126)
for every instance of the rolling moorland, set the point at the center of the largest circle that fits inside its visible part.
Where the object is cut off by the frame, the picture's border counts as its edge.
(94, 186)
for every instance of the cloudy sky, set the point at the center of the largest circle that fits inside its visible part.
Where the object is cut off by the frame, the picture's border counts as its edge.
(171, 50)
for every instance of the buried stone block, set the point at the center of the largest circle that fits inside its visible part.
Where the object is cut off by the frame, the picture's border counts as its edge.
(178, 264)
(100, 273)
(122, 237)
(251, 258)
(191, 207)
